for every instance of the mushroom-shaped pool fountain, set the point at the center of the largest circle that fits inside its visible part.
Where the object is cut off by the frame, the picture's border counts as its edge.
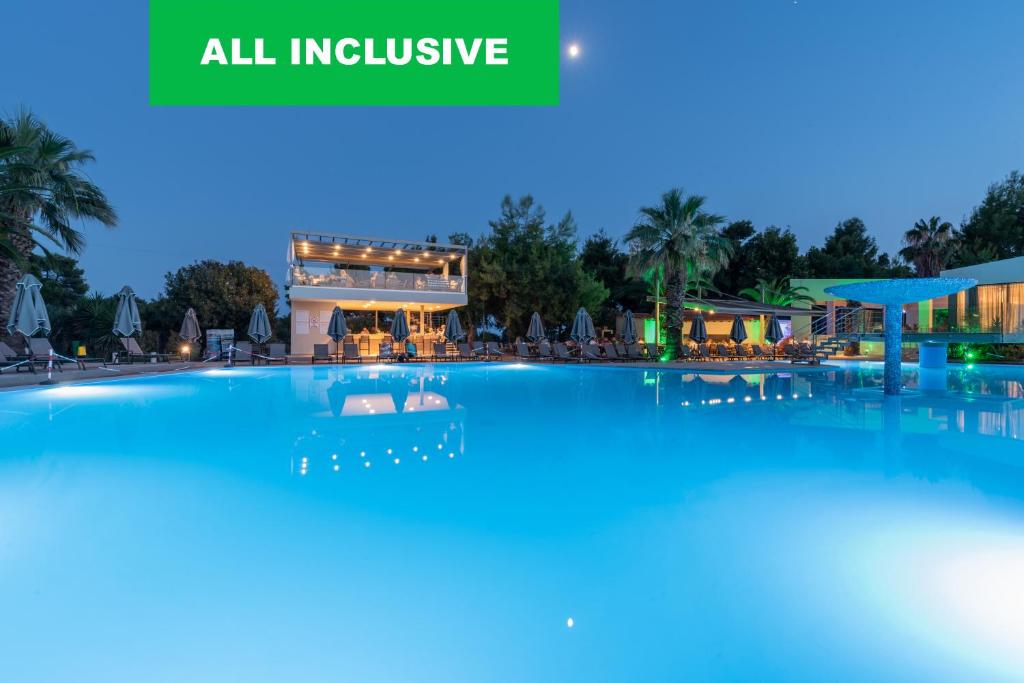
(893, 294)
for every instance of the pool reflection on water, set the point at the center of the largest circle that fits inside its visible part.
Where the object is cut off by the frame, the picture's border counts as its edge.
(487, 521)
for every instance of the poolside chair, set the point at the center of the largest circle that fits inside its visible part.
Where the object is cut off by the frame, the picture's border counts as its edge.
(39, 350)
(741, 351)
(620, 349)
(757, 351)
(465, 353)
(703, 352)
(523, 351)
(493, 350)
(350, 352)
(652, 351)
(685, 353)
(277, 353)
(385, 352)
(562, 353)
(590, 352)
(633, 352)
(322, 354)
(544, 350)
(611, 353)
(136, 354)
(441, 351)
(243, 352)
(13, 355)
(16, 363)
(722, 352)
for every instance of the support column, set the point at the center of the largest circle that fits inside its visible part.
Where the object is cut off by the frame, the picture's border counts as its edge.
(893, 348)
(830, 318)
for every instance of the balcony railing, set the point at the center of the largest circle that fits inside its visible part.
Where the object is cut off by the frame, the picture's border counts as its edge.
(365, 279)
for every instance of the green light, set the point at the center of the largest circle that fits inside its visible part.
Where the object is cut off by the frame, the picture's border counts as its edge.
(664, 358)
(970, 355)
(970, 366)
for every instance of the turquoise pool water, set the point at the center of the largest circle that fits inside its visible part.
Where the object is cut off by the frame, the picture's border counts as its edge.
(444, 523)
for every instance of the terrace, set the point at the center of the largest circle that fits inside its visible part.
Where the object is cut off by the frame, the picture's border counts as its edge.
(370, 275)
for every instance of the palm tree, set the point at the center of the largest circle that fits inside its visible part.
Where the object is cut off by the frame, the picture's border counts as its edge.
(677, 240)
(777, 293)
(42, 191)
(929, 246)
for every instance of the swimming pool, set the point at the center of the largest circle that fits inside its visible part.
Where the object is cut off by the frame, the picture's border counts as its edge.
(446, 522)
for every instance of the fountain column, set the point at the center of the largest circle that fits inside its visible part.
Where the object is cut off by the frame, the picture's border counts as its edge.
(893, 294)
(892, 379)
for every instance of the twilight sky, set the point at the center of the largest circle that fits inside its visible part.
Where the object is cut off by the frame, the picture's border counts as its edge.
(796, 114)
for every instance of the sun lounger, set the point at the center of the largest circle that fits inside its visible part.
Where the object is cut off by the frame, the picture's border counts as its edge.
(441, 351)
(562, 353)
(39, 350)
(722, 352)
(633, 352)
(137, 355)
(243, 353)
(276, 353)
(350, 353)
(465, 353)
(741, 351)
(611, 353)
(544, 349)
(685, 353)
(590, 352)
(652, 351)
(385, 352)
(523, 351)
(322, 354)
(620, 349)
(757, 351)
(493, 350)
(703, 352)
(16, 363)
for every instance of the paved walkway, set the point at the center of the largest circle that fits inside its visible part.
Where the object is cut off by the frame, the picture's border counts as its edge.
(11, 379)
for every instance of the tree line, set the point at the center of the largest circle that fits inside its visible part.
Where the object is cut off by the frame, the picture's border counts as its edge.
(523, 262)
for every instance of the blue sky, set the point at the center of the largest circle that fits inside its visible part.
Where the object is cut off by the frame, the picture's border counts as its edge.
(795, 114)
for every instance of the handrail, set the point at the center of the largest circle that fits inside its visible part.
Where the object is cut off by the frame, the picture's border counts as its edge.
(809, 327)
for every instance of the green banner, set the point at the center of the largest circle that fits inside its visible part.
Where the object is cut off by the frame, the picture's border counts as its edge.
(353, 52)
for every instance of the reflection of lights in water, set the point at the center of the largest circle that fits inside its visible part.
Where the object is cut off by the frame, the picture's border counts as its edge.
(451, 455)
(424, 458)
(337, 467)
(366, 464)
(398, 460)
(570, 622)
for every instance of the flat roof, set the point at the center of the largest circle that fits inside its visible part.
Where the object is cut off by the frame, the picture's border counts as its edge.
(992, 273)
(374, 251)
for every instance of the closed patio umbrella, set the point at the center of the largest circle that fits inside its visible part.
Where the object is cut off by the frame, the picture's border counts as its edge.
(535, 332)
(738, 333)
(259, 325)
(400, 326)
(453, 331)
(583, 327)
(773, 334)
(126, 320)
(28, 313)
(629, 328)
(190, 327)
(699, 329)
(336, 328)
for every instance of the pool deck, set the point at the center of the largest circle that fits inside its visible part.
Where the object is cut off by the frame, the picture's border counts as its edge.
(25, 379)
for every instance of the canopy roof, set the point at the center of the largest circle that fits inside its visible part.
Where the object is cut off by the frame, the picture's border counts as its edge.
(372, 251)
(741, 307)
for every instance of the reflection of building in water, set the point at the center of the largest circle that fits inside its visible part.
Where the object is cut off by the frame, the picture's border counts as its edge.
(379, 417)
